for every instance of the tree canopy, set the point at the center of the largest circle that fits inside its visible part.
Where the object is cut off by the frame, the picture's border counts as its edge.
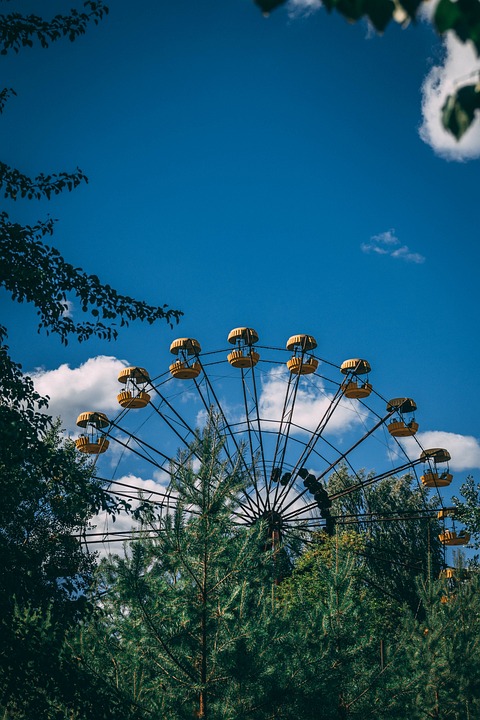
(204, 616)
(49, 493)
(32, 271)
(194, 620)
(461, 17)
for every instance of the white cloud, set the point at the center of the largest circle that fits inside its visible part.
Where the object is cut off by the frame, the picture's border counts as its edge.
(404, 253)
(386, 238)
(311, 403)
(201, 419)
(303, 8)
(459, 62)
(161, 477)
(464, 449)
(387, 243)
(152, 489)
(68, 309)
(104, 524)
(92, 386)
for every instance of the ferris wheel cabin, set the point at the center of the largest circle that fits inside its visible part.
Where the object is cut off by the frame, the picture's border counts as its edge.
(187, 367)
(434, 476)
(300, 363)
(403, 425)
(353, 387)
(92, 441)
(134, 396)
(243, 356)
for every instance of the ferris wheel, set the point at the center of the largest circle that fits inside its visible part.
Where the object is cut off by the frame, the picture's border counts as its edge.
(290, 419)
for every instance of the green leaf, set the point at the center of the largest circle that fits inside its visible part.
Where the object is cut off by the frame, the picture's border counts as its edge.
(462, 16)
(459, 110)
(267, 6)
(446, 15)
(380, 13)
(351, 9)
(411, 6)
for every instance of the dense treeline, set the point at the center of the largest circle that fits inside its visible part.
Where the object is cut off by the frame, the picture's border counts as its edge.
(206, 619)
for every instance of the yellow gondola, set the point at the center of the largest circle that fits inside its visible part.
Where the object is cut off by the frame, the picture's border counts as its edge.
(447, 598)
(243, 356)
(433, 479)
(134, 396)
(446, 512)
(404, 424)
(85, 445)
(447, 574)
(92, 443)
(434, 476)
(184, 368)
(450, 537)
(299, 363)
(354, 388)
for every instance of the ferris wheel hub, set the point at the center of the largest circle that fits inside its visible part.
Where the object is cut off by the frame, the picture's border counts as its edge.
(273, 520)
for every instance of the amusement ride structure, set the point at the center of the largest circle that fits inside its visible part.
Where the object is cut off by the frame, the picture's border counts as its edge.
(291, 419)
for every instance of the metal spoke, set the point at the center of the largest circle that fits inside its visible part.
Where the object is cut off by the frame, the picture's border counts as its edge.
(269, 446)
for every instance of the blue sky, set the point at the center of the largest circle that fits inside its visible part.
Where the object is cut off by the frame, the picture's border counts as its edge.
(287, 174)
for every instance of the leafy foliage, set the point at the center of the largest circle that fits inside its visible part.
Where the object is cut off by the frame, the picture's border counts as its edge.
(187, 604)
(441, 655)
(337, 629)
(4, 95)
(48, 496)
(16, 183)
(461, 17)
(18, 31)
(459, 109)
(467, 509)
(34, 272)
(374, 656)
(399, 550)
(267, 6)
(379, 12)
(31, 271)
(49, 493)
(44, 674)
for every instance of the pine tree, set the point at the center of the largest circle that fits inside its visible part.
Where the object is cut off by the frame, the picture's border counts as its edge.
(396, 517)
(186, 608)
(195, 621)
(49, 495)
(342, 646)
(442, 650)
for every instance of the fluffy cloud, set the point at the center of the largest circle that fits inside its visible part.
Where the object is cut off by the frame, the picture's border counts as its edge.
(303, 8)
(464, 449)
(387, 243)
(68, 311)
(92, 386)
(124, 524)
(458, 64)
(310, 405)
